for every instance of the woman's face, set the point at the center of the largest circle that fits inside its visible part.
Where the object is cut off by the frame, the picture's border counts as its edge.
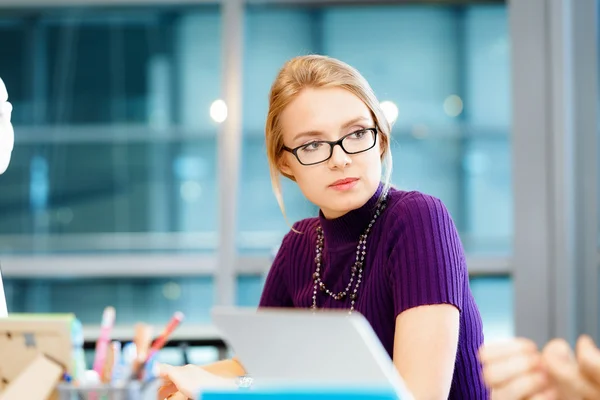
(343, 182)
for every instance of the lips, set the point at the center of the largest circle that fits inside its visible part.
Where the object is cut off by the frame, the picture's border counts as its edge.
(344, 181)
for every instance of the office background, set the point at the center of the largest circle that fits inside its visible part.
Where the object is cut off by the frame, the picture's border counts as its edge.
(127, 188)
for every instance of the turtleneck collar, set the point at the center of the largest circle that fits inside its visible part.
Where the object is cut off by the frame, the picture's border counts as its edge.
(345, 230)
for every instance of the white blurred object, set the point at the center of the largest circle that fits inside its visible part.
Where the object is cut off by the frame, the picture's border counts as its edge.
(390, 110)
(453, 105)
(7, 134)
(218, 111)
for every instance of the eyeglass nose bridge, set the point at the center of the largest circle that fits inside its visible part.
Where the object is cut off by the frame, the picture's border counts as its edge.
(338, 142)
(332, 147)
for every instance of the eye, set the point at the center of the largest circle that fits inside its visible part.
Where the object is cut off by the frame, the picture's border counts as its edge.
(358, 134)
(312, 146)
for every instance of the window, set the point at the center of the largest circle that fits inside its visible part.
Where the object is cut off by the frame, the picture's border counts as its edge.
(118, 151)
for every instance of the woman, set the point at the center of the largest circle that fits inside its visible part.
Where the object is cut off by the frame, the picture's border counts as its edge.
(516, 370)
(393, 256)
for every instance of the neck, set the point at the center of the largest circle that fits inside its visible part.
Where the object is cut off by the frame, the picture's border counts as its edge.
(328, 214)
(344, 230)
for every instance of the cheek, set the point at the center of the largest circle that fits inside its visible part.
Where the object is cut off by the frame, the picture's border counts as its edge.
(307, 175)
(309, 180)
(371, 159)
(371, 166)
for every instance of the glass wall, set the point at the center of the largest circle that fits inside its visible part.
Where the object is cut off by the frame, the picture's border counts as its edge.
(116, 147)
(117, 151)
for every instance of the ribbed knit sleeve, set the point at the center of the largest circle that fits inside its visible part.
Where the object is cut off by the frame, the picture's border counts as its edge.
(427, 263)
(275, 291)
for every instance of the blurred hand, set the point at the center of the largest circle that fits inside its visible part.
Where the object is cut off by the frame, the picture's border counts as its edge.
(185, 382)
(588, 357)
(7, 138)
(514, 370)
(576, 377)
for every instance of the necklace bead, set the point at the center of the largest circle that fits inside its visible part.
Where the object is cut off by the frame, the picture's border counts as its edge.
(356, 269)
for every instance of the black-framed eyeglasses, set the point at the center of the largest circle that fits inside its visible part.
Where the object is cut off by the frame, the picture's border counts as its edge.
(319, 151)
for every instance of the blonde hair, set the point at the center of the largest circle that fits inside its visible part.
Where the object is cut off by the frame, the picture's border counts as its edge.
(317, 71)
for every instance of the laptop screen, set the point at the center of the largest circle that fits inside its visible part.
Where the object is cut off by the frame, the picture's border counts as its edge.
(3, 308)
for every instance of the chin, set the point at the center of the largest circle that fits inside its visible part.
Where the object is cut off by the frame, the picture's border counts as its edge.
(334, 208)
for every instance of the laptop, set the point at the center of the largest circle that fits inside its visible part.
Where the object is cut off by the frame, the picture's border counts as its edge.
(3, 307)
(300, 348)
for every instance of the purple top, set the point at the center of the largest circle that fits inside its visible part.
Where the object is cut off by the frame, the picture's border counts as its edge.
(413, 257)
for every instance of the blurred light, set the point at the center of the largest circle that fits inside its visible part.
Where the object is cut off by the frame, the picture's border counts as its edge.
(171, 291)
(453, 105)
(218, 111)
(390, 110)
(190, 191)
(420, 131)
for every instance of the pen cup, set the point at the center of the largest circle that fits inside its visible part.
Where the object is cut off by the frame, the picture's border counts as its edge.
(133, 390)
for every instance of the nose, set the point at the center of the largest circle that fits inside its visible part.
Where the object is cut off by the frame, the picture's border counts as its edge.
(339, 158)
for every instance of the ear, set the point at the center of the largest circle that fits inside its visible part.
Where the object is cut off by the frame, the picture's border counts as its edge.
(284, 166)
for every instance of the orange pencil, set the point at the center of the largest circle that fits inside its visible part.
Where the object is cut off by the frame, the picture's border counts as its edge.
(164, 336)
(159, 342)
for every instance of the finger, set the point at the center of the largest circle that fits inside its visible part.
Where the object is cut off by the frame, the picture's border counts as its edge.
(558, 350)
(178, 396)
(548, 394)
(505, 370)
(164, 370)
(166, 390)
(588, 357)
(563, 368)
(3, 92)
(523, 386)
(499, 350)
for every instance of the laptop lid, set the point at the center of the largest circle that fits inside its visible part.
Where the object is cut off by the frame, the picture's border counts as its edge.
(3, 307)
(293, 347)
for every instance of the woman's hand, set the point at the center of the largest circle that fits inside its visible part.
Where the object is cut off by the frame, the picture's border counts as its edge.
(189, 380)
(514, 370)
(588, 357)
(577, 377)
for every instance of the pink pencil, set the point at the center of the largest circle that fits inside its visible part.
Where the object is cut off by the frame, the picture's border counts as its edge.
(108, 321)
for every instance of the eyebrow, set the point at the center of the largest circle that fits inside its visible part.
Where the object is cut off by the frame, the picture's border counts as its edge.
(317, 133)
